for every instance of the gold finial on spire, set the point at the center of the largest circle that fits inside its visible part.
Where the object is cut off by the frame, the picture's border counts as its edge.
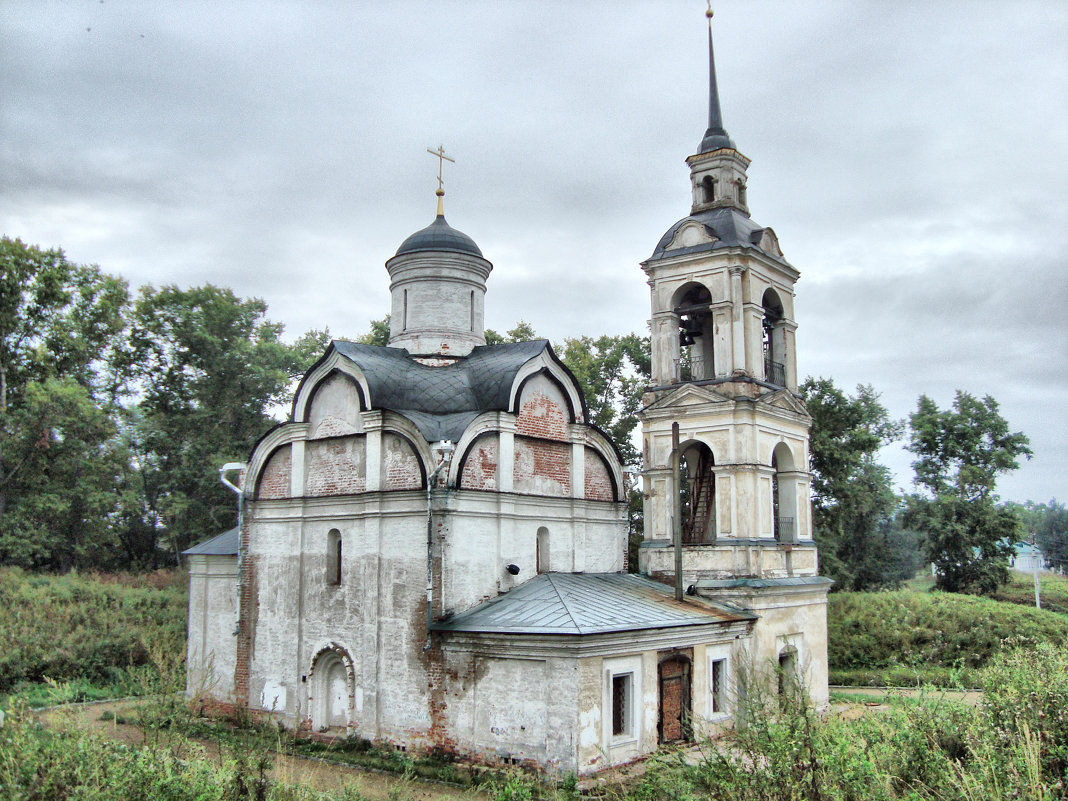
(709, 12)
(442, 158)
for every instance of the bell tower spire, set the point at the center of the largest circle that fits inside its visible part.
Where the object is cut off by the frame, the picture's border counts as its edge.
(717, 170)
(716, 136)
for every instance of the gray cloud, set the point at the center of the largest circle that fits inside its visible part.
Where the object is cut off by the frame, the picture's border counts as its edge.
(910, 157)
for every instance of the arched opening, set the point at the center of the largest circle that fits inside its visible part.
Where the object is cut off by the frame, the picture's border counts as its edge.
(783, 494)
(708, 187)
(774, 339)
(741, 193)
(331, 690)
(696, 345)
(333, 557)
(543, 550)
(698, 493)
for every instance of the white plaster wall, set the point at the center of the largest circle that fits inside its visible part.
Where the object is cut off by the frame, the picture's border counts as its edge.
(211, 647)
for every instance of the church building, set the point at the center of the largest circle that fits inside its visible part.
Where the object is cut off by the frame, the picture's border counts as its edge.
(432, 548)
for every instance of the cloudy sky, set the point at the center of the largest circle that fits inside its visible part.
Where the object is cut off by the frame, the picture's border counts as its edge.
(911, 156)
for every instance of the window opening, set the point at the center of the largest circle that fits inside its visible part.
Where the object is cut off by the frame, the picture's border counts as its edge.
(698, 491)
(774, 358)
(404, 315)
(472, 310)
(621, 698)
(717, 679)
(543, 550)
(333, 557)
(709, 187)
(695, 336)
(788, 679)
(741, 193)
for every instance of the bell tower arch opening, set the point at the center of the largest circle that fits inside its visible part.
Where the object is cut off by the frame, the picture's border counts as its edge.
(698, 493)
(692, 309)
(774, 339)
(784, 494)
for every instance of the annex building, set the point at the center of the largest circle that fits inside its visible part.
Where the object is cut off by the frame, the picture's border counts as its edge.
(432, 547)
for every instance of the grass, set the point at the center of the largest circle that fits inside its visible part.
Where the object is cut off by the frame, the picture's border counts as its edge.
(95, 636)
(1053, 590)
(906, 638)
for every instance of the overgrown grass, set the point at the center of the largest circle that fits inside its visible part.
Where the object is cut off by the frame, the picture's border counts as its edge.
(95, 633)
(907, 638)
(1053, 590)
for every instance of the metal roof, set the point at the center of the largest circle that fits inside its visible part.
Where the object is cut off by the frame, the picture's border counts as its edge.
(588, 603)
(441, 401)
(762, 583)
(730, 227)
(224, 544)
(439, 236)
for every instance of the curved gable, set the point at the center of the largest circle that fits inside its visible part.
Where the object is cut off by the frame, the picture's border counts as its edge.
(333, 362)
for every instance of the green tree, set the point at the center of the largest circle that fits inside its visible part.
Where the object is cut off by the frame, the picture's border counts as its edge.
(960, 453)
(523, 332)
(1048, 524)
(60, 325)
(210, 368)
(378, 335)
(614, 372)
(853, 500)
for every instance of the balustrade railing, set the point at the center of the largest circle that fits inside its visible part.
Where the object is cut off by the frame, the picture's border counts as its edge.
(694, 369)
(784, 529)
(774, 373)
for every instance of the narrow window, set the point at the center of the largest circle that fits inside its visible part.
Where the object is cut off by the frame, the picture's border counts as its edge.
(709, 185)
(404, 317)
(717, 680)
(741, 193)
(333, 557)
(543, 550)
(621, 695)
(472, 310)
(788, 678)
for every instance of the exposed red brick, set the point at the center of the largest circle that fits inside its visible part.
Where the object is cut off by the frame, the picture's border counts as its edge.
(400, 465)
(480, 467)
(542, 467)
(598, 480)
(541, 416)
(274, 478)
(335, 466)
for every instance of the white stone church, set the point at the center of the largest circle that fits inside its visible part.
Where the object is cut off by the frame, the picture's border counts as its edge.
(432, 548)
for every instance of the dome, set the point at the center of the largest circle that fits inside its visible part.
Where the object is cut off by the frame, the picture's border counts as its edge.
(439, 235)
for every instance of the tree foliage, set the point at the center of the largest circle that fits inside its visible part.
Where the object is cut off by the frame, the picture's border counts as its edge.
(853, 502)
(1048, 524)
(209, 368)
(960, 453)
(60, 325)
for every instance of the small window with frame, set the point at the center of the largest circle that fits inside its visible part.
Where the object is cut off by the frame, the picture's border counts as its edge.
(622, 699)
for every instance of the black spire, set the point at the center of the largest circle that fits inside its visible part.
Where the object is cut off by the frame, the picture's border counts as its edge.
(715, 137)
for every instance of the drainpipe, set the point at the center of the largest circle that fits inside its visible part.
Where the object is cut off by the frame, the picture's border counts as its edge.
(676, 508)
(240, 468)
(444, 450)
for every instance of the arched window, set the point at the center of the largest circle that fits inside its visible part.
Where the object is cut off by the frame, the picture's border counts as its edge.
(698, 491)
(741, 193)
(543, 550)
(784, 494)
(333, 557)
(774, 339)
(708, 186)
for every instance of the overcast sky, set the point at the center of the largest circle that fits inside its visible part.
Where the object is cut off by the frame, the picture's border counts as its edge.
(911, 156)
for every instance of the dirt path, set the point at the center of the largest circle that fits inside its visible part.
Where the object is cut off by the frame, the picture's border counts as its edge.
(287, 769)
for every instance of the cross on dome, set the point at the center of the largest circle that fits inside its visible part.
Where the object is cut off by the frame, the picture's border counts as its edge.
(442, 158)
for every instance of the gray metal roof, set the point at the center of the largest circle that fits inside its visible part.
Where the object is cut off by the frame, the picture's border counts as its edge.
(224, 544)
(730, 227)
(441, 401)
(588, 603)
(765, 583)
(439, 236)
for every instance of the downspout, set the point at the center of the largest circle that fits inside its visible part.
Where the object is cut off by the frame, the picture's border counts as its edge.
(239, 488)
(444, 449)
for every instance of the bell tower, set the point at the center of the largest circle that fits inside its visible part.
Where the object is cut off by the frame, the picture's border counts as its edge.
(724, 369)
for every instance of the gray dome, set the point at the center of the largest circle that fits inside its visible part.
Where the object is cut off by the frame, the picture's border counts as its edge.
(439, 235)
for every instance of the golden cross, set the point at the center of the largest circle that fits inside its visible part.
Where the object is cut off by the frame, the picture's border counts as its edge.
(442, 158)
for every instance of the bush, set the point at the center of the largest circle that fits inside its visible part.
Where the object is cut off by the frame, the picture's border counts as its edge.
(95, 630)
(920, 638)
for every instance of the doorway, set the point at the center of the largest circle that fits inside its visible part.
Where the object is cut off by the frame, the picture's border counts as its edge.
(674, 674)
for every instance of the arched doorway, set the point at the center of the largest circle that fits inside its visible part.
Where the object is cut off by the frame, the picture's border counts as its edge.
(674, 677)
(331, 682)
(692, 308)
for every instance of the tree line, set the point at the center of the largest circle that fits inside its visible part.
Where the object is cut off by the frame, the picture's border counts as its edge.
(117, 409)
